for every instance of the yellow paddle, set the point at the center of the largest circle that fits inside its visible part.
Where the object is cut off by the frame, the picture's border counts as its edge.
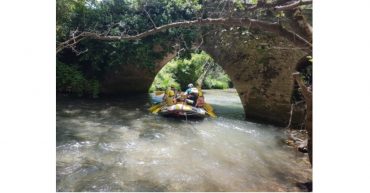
(211, 114)
(209, 110)
(208, 107)
(155, 108)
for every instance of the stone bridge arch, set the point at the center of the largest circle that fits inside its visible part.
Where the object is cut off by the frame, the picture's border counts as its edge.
(259, 65)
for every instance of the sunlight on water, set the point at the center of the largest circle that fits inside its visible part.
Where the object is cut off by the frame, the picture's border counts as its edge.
(116, 145)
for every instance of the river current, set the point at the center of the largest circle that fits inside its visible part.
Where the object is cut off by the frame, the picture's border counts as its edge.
(115, 144)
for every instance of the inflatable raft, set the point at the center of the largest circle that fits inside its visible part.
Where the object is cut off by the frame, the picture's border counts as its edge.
(183, 111)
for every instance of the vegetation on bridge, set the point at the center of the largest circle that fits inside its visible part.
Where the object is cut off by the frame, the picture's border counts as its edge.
(96, 36)
(90, 59)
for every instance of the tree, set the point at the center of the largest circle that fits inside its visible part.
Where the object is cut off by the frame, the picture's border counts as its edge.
(94, 37)
(282, 17)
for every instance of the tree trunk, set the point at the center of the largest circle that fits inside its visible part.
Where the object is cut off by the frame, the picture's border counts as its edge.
(202, 77)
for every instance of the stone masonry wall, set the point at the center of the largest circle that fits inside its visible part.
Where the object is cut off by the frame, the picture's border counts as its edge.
(260, 66)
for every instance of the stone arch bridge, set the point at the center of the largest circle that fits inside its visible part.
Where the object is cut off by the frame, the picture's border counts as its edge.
(259, 65)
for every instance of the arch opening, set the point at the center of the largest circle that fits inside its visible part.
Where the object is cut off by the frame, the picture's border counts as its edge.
(199, 68)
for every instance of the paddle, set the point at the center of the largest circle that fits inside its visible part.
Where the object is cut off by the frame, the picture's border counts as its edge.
(156, 108)
(211, 114)
(209, 110)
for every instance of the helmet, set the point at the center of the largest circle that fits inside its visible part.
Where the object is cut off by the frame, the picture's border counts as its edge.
(190, 85)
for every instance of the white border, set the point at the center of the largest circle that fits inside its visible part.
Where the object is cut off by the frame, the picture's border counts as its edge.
(27, 100)
(341, 96)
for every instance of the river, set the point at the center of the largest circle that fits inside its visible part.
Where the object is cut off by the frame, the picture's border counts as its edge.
(115, 144)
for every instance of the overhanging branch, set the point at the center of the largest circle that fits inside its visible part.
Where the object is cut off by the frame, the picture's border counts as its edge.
(277, 5)
(292, 5)
(252, 23)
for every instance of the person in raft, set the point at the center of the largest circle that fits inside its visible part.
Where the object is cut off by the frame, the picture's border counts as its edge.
(170, 95)
(191, 94)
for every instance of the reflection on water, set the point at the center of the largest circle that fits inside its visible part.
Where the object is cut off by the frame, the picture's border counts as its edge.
(116, 145)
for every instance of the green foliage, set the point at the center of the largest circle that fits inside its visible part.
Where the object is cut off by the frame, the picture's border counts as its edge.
(181, 72)
(309, 58)
(217, 81)
(124, 16)
(187, 71)
(119, 17)
(216, 84)
(93, 88)
(239, 5)
(164, 78)
(71, 81)
(306, 74)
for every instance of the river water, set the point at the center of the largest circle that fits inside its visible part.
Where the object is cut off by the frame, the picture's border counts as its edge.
(117, 145)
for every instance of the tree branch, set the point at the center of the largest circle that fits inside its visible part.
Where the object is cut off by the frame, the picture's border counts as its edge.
(302, 23)
(150, 18)
(292, 5)
(277, 5)
(252, 23)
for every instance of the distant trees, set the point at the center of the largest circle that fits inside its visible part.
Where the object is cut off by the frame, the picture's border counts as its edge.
(181, 72)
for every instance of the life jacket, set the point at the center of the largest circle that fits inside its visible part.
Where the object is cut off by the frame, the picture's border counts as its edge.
(194, 90)
(193, 93)
(170, 97)
(170, 93)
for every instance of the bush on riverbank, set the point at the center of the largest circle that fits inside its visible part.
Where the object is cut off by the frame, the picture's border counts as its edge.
(71, 81)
